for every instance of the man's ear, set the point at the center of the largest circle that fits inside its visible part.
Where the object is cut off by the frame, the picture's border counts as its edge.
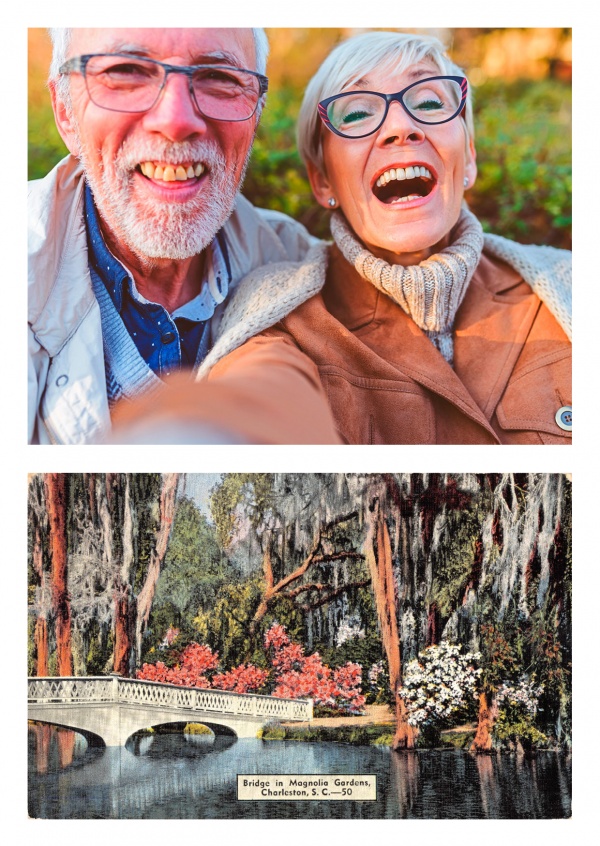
(64, 120)
(470, 163)
(320, 185)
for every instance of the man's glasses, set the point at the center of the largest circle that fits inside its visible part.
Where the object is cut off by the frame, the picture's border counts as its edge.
(357, 114)
(122, 82)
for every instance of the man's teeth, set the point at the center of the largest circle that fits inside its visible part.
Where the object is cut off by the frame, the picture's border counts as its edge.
(171, 173)
(403, 173)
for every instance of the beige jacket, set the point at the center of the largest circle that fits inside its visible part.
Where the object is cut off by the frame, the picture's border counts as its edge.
(384, 380)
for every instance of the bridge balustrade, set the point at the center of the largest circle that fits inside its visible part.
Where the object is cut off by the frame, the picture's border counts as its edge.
(96, 689)
(71, 689)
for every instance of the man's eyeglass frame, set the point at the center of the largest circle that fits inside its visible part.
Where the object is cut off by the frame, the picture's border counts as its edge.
(398, 97)
(78, 64)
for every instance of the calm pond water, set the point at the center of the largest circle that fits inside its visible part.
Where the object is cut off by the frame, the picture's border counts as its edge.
(186, 776)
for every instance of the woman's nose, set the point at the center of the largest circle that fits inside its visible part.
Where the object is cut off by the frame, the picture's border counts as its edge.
(399, 127)
(175, 114)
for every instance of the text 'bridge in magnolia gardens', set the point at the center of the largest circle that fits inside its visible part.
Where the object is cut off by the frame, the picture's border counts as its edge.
(114, 708)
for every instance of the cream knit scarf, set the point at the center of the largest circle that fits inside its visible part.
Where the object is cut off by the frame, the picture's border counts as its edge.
(430, 292)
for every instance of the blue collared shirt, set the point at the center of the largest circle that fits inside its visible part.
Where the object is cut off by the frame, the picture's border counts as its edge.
(165, 341)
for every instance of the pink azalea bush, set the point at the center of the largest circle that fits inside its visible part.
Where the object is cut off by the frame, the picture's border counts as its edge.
(190, 671)
(293, 674)
(300, 676)
(243, 679)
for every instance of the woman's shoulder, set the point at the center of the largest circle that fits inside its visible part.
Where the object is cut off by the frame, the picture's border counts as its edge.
(547, 270)
(532, 258)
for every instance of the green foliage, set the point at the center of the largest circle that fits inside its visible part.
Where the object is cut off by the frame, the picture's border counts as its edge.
(194, 571)
(457, 739)
(255, 489)
(196, 728)
(46, 147)
(224, 627)
(383, 740)
(97, 651)
(523, 141)
(195, 567)
(355, 735)
(552, 670)
(365, 651)
(520, 728)
(499, 660)
(453, 560)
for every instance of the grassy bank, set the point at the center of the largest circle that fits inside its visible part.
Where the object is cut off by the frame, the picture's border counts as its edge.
(358, 735)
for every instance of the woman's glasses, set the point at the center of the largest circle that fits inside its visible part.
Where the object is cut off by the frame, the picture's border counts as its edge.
(356, 114)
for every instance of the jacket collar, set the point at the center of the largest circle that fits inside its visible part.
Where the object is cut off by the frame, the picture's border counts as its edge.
(58, 257)
(497, 306)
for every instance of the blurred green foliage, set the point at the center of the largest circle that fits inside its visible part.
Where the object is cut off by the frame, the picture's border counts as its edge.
(523, 141)
(46, 147)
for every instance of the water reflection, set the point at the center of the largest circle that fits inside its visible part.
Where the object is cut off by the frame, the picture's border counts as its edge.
(194, 776)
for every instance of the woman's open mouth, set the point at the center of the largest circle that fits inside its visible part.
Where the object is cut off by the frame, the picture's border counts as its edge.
(402, 185)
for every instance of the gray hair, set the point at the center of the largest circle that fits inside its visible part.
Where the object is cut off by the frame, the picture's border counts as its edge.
(357, 57)
(61, 39)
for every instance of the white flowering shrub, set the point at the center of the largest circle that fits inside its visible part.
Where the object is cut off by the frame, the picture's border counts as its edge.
(439, 684)
(518, 708)
(524, 696)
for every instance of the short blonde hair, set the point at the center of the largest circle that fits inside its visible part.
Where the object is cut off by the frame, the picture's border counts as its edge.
(357, 57)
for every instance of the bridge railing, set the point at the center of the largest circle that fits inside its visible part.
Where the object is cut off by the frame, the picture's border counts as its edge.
(219, 701)
(72, 689)
(92, 689)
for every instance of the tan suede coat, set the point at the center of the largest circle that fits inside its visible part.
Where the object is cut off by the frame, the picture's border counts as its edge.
(387, 384)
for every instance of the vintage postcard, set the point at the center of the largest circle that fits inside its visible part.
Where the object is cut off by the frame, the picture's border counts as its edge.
(297, 646)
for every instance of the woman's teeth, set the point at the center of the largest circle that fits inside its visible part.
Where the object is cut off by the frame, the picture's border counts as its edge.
(403, 173)
(171, 173)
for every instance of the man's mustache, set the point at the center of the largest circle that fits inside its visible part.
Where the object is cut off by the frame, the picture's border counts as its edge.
(133, 153)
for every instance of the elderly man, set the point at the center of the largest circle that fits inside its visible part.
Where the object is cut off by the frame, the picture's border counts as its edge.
(138, 237)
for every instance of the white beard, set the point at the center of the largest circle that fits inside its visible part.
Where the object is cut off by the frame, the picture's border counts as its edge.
(154, 229)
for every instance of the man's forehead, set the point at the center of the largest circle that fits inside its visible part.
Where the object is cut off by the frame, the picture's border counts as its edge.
(190, 45)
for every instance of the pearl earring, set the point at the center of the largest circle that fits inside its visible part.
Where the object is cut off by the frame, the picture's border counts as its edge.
(332, 202)
(466, 182)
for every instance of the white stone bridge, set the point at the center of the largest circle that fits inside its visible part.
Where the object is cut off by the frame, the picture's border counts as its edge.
(114, 708)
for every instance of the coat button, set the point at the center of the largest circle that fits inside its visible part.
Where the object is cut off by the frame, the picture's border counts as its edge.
(168, 337)
(62, 380)
(564, 418)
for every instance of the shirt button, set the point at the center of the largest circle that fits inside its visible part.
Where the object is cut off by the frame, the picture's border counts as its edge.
(564, 418)
(168, 337)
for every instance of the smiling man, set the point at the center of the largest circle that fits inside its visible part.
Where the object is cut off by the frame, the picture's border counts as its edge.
(139, 236)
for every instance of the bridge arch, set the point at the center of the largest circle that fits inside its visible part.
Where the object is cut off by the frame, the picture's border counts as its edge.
(114, 708)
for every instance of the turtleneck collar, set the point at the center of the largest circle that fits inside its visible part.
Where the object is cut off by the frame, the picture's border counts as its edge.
(430, 292)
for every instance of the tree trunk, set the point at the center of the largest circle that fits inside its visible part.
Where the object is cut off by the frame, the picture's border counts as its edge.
(124, 600)
(41, 646)
(41, 623)
(146, 594)
(56, 501)
(123, 630)
(488, 711)
(378, 552)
